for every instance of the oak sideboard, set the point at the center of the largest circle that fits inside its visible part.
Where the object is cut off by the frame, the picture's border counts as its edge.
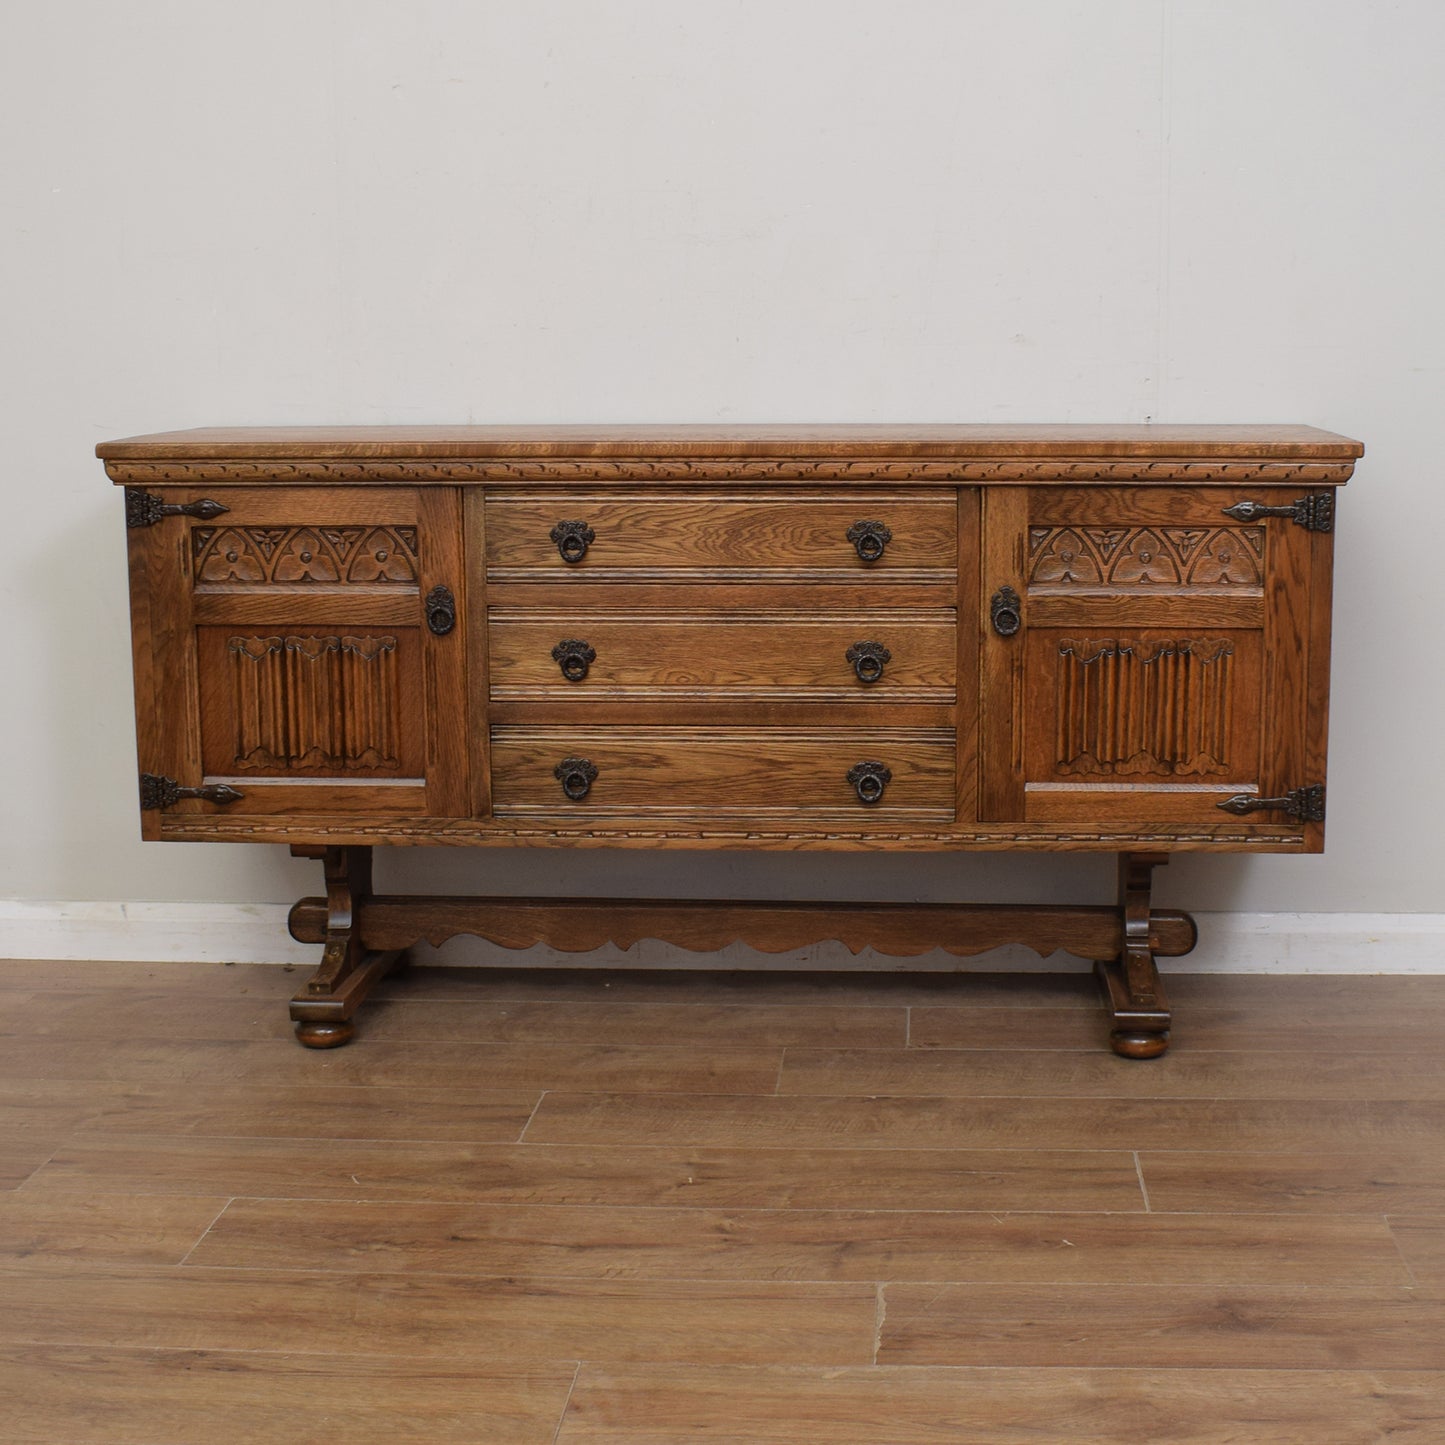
(934, 638)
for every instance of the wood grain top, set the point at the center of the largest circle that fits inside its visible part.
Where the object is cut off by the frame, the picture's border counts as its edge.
(771, 440)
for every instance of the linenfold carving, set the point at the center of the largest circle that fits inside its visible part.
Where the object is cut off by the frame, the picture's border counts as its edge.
(315, 702)
(1129, 708)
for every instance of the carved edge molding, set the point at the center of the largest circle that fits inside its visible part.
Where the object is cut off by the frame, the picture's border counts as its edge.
(446, 828)
(1016, 469)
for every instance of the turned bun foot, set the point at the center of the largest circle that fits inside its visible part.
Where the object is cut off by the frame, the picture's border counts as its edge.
(1134, 1044)
(325, 1036)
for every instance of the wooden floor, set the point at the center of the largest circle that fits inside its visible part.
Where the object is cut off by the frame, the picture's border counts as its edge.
(581, 1208)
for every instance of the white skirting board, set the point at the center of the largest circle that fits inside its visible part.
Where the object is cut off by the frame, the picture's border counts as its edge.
(256, 933)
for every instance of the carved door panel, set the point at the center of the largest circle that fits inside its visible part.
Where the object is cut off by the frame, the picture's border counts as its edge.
(305, 652)
(1148, 656)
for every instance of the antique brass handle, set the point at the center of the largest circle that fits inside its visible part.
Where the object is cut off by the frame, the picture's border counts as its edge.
(868, 780)
(576, 776)
(869, 539)
(573, 540)
(574, 657)
(1006, 612)
(868, 659)
(441, 610)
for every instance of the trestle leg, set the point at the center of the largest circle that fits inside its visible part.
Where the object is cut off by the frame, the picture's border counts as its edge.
(324, 1009)
(1132, 986)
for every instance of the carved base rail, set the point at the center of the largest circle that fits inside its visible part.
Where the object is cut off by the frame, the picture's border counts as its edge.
(364, 935)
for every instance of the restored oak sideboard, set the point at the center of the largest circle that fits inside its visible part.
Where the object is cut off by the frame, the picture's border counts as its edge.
(848, 637)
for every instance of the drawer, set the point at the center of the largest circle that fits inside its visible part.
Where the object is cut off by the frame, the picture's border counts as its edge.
(708, 538)
(864, 657)
(863, 774)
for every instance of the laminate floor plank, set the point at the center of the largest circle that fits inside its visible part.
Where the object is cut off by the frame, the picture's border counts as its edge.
(22, 1152)
(101, 1014)
(909, 1405)
(797, 1244)
(1374, 1183)
(1137, 1123)
(62, 1108)
(1196, 1027)
(71, 1230)
(1096, 1073)
(994, 1028)
(46, 1108)
(1086, 1181)
(612, 1022)
(1315, 994)
(1164, 1326)
(181, 1397)
(110, 1014)
(511, 1321)
(378, 1063)
(1422, 1243)
(228, 980)
(757, 987)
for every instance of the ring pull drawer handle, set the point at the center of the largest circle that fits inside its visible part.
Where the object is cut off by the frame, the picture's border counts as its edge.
(869, 780)
(573, 540)
(574, 657)
(869, 539)
(868, 659)
(1006, 612)
(576, 776)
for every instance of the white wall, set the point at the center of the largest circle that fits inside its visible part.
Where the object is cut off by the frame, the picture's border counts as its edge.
(638, 210)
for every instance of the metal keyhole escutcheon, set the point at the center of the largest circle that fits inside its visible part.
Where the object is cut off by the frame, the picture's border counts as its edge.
(1006, 612)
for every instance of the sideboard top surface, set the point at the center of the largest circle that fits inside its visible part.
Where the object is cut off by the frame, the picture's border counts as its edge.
(880, 440)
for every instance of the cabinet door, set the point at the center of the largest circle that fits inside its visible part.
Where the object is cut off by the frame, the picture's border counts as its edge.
(1167, 657)
(286, 649)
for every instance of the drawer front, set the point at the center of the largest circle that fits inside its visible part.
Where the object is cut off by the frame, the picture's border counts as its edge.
(835, 536)
(865, 657)
(584, 772)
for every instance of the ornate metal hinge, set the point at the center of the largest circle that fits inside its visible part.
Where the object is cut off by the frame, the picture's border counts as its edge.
(1306, 804)
(1315, 513)
(144, 509)
(157, 792)
(441, 610)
